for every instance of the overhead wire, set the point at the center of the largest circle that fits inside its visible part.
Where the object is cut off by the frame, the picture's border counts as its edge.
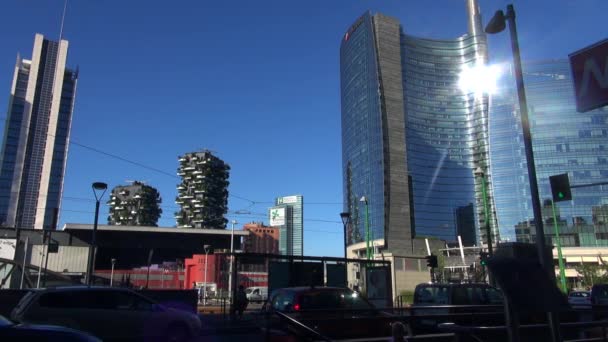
(150, 168)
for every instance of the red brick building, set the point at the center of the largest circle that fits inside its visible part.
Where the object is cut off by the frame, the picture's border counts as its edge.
(217, 273)
(261, 239)
(195, 269)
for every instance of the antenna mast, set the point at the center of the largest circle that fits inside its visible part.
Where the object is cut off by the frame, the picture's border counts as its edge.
(65, 7)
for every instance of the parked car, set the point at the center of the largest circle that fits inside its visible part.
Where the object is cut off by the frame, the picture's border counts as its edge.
(484, 302)
(108, 313)
(257, 293)
(457, 294)
(599, 301)
(599, 294)
(333, 312)
(580, 299)
(10, 331)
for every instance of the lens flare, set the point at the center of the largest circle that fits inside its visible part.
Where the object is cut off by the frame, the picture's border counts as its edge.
(479, 79)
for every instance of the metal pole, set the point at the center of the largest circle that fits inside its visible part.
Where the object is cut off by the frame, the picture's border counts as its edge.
(560, 258)
(523, 108)
(553, 319)
(112, 272)
(46, 258)
(588, 185)
(487, 222)
(345, 227)
(27, 241)
(367, 231)
(486, 213)
(40, 267)
(205, 285)
(231, 260)
(93, 246)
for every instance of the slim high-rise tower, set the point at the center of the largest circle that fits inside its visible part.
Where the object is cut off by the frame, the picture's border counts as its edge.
(36, 137)
(412, 138)
(288, 216)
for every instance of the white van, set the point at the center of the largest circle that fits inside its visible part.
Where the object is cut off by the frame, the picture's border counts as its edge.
(257, 294)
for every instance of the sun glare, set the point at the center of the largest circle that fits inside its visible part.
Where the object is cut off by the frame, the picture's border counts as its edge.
(479, 79)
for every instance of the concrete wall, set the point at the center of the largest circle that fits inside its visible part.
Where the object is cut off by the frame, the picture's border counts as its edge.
(67, 259)
(407, 280)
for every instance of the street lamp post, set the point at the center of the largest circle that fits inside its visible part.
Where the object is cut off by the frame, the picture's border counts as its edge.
(345, 221)
(112, 272)
(207, 247)
(498, 24)
(367, 248)
(231, 259)
(97, 187)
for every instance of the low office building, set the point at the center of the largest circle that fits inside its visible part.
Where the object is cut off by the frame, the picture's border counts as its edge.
(261, 239)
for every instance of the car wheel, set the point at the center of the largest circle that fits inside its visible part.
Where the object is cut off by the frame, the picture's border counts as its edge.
(177, 332)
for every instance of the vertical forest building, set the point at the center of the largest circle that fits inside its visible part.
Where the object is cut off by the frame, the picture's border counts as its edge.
(137, 204)
(203, 192)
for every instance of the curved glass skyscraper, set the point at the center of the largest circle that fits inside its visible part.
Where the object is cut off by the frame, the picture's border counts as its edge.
(411, 137)
(564, 141)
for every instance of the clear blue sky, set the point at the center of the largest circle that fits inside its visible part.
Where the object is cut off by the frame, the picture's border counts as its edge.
(255, 81)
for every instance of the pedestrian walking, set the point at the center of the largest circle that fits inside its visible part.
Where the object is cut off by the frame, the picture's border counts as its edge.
(241, 301)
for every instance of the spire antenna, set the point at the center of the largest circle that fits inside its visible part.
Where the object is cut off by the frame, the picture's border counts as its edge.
(65, 8)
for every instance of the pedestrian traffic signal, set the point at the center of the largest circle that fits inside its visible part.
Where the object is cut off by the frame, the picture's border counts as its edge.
(431, 261)
(483, 258)
(560, 187)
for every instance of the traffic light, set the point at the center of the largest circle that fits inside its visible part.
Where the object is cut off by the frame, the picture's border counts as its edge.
(483, 258)
(431, 261)
(560, 187)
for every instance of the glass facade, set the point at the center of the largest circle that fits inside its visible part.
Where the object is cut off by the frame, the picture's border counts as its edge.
(362, 159)
(564, 141)
(291, 239)
(34, 150)
(444, 140)
(446, 131)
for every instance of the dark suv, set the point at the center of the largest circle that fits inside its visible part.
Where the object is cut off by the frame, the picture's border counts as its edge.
(333, 312)
(467, 304)
(457, 294)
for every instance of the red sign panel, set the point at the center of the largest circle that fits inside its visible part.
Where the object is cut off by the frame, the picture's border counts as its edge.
(590, 75)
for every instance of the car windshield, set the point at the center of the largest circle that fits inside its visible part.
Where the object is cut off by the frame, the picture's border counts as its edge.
(4, 322)
(431, 295)
(338, 299)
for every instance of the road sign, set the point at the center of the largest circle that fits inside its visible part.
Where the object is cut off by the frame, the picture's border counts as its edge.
(590, 74)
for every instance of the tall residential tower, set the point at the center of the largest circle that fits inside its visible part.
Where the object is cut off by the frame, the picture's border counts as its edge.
(36, 137)
(411, 137)
(203, 192)
(137, 204)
